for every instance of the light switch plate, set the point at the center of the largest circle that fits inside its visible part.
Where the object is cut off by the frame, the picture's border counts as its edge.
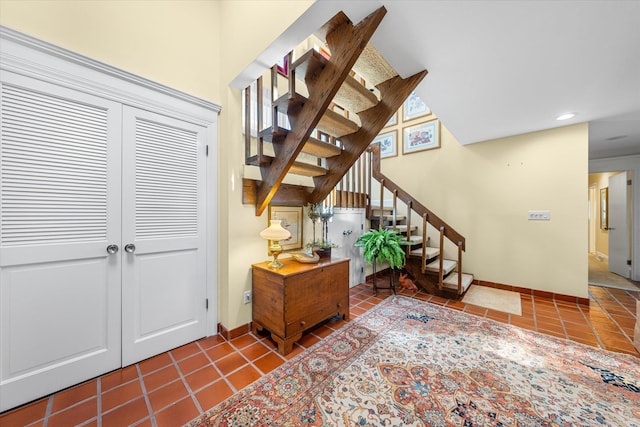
(539, 215)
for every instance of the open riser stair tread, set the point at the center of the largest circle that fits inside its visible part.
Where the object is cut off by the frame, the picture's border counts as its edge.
(451, 282)
(448, 266)
(429, 252)
(309, 64)
(355, 97)
(331, 123)
(313, 146)
(298, 168)
(336, 125)
(373, 68)
(401, 228)
(415, 240)
(388, 217)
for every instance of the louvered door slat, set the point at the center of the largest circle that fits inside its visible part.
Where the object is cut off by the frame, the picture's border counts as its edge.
(54, 164)
(166, 181)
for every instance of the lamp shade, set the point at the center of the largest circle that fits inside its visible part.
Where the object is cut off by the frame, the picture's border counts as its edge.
(275, 231)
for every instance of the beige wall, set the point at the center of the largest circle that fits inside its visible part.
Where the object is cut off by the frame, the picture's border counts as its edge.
(176, 43)
(194, 46)
(485, 190)
(199, 46)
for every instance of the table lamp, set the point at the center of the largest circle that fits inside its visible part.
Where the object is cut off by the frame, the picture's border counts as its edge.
(274, 233)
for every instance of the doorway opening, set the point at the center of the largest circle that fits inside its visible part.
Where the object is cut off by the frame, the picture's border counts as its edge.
(610, 238)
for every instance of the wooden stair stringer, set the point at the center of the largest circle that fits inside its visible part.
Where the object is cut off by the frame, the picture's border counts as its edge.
(346, 43)
(393, 93)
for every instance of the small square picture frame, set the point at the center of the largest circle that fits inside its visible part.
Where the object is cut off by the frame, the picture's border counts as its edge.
(393, 120)
(421, 137)
(413, 108)
(388, 144)
(292, 219)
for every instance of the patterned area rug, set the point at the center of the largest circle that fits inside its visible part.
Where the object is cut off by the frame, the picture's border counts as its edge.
(411, 363)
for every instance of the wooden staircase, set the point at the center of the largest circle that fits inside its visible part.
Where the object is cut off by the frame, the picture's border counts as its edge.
(354, 83)
(426, 262)
(335, 105)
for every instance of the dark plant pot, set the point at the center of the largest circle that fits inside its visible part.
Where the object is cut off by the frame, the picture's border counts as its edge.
(323, 252)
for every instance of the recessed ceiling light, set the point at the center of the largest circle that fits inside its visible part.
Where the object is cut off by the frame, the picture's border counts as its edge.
(565, 116)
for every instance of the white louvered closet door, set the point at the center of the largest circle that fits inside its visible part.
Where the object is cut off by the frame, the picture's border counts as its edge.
(163, 206)
(60, 172)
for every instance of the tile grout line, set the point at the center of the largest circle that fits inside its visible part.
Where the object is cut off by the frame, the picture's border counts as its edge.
(152, 415)
(595, 332)
(99, 400)
(222, 376)
(612, 319)
(249, 362)
(619, 303)
(47, 413)
(534, 315)
(184, 383)
(564, 328)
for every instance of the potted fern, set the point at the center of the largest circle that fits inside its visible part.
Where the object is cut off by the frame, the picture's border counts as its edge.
(383, 245)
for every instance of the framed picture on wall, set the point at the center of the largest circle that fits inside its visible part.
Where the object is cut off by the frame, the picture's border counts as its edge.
(413, 108)
(388, 144)
(393, 120)
(283, 66)
(292, 220)
(423, 136)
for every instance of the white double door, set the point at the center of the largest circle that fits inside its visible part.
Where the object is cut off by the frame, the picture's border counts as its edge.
(102, 236)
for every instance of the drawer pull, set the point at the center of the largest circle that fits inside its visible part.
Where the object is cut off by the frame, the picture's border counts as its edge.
(302, 323)
(339, 305)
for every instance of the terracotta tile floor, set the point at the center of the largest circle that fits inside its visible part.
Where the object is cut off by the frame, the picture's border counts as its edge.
(172, 388)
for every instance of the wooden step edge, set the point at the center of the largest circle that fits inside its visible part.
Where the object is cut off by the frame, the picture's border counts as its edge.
(307, 169)
(415, 240)
(336, 125)
(309, 64)
(451, 282)
(387, 217)
(259, 160)
(286, 102)
(330, 123)
(313, 146)
(430, 252)
(321, 149)
(401, 228)
(273, 134)
(373, 68)
(384, 208)
(355, 97)
(298, 168)
(447, 266)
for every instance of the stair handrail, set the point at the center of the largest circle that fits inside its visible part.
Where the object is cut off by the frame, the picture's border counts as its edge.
(427, 215)
(449, 232)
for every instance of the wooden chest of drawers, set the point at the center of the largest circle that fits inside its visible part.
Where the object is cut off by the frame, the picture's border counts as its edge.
(297, 297)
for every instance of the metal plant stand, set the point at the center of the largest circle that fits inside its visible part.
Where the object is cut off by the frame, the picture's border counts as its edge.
(392, 284)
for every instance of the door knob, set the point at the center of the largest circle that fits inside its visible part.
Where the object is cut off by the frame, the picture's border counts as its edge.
(112, 249)
(130, 248)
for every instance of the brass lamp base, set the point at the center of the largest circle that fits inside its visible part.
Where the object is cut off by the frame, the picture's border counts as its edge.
(274, 250)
